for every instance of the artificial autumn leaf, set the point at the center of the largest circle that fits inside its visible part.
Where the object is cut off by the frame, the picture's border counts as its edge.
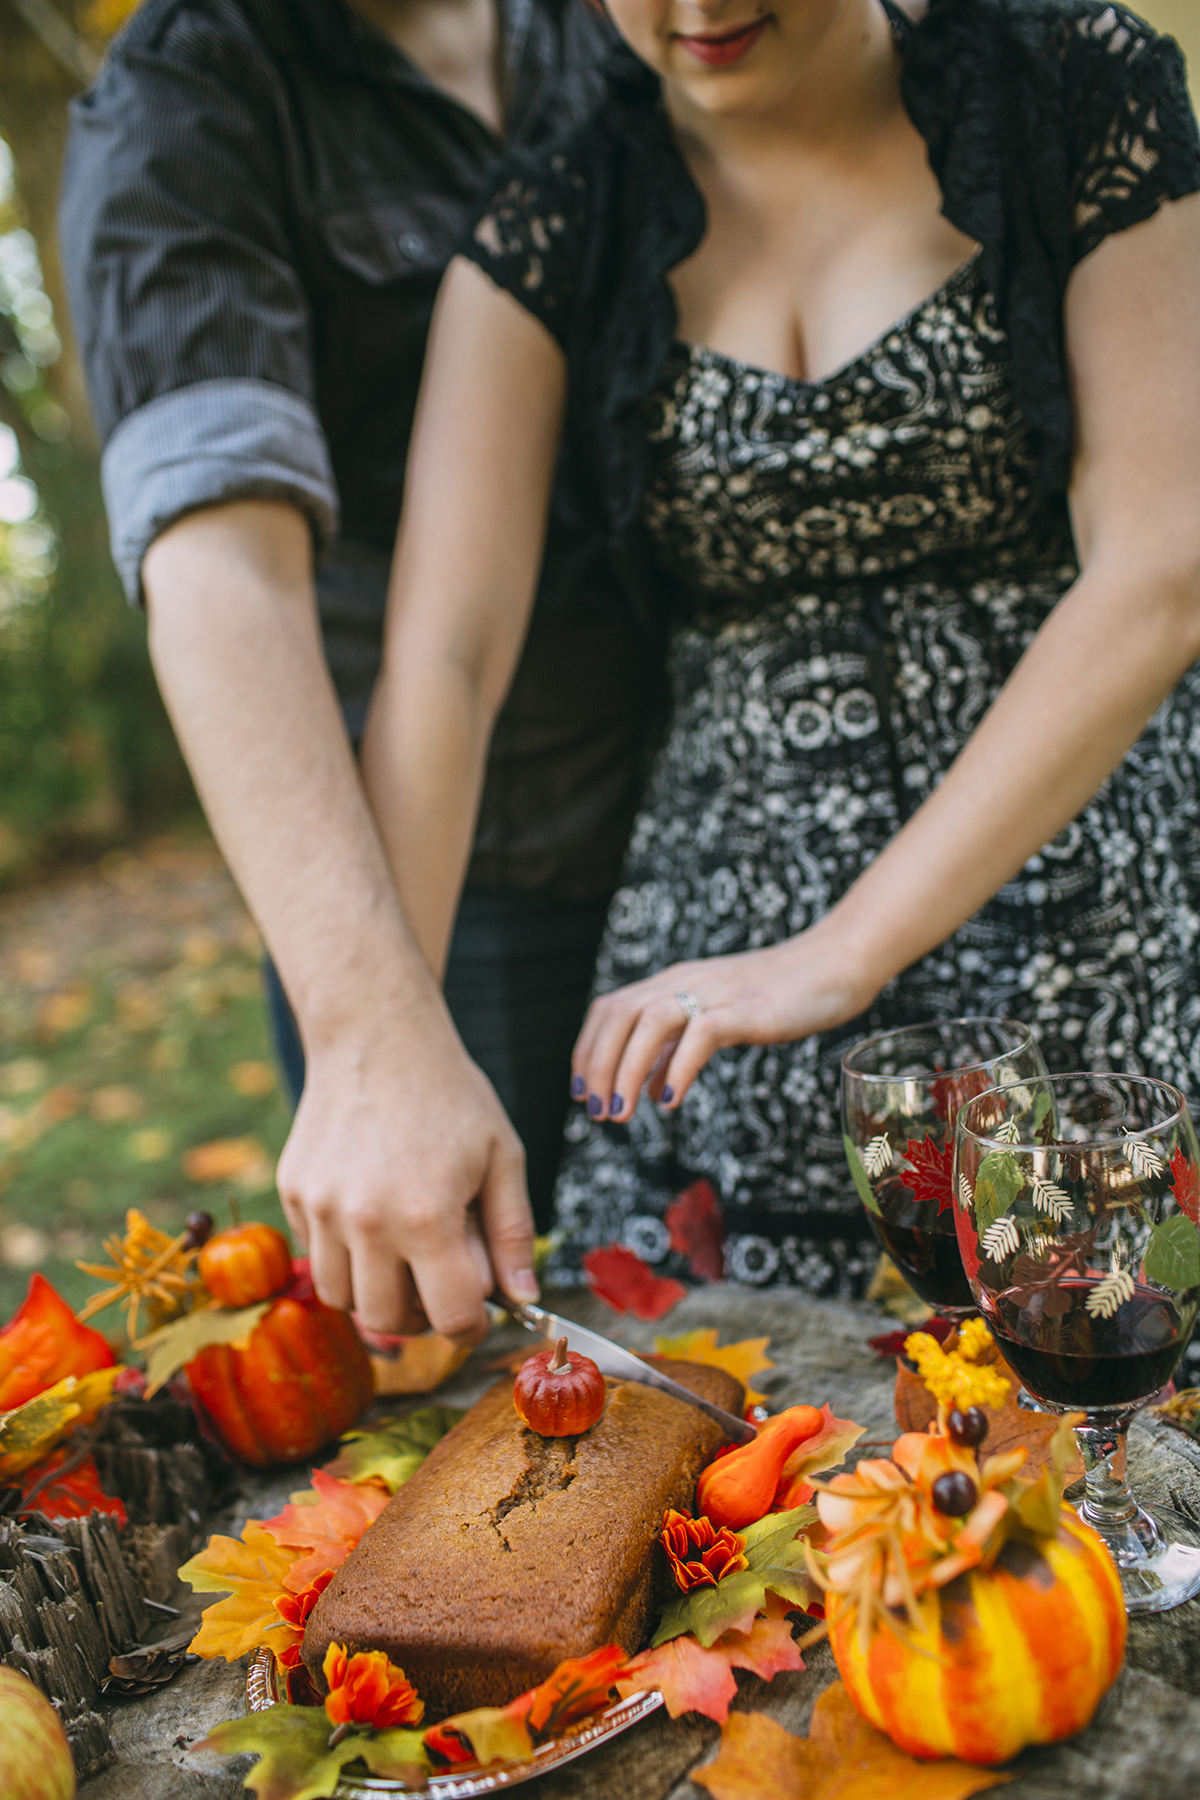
(297, 1762)
(693, 1679)
(697, 1230)
(776, 1560)
(1187, 1185)
(43, 1343)
(30, 1432)
(252, 1570)
(72, 1494)
(328, 1528)
(395, 1448)
(741, 1360)
(175, 1345)
(484, 1735)
(930, 1175)
(1010, 1427)
(423, 1364)
(842, 1758)
(623, 1281)
(816, 1454)
(577, 1688)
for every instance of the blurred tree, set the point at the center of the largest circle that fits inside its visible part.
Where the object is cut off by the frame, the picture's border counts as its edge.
(86, 752)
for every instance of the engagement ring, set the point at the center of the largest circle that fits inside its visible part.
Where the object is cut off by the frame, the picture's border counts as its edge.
(691, 1006)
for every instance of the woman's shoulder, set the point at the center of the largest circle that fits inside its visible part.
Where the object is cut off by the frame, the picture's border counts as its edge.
(1085, 39)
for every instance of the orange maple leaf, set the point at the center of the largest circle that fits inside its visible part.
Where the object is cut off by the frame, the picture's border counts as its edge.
(842, 1758)
(252, 1571)
(741, 1360)
(328, 1526)
(692, 1679)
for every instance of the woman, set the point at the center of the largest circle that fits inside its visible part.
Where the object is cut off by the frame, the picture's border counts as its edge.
(878, 348)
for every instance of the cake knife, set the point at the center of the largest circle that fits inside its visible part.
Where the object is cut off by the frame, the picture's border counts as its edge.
(611, 1359)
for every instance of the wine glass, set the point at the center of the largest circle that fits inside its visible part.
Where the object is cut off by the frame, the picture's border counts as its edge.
(901, 1092)
(1076, 1206)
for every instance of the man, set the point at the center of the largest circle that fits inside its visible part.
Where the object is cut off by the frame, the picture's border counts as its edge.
(259, 200)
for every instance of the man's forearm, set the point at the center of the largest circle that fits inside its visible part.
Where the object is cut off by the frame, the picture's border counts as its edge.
(237, 651)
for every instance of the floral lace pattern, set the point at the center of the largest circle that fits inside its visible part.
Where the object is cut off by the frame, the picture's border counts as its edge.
(866, 558)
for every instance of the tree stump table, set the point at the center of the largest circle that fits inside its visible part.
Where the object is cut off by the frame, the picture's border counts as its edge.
(1144, 1740)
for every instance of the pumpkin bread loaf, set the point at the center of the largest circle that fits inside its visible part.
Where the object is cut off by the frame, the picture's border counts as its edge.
(507, 1552)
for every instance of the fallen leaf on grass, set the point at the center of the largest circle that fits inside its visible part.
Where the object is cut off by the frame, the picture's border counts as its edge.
(66, 1010)
(697, 1230)
(741, 1360)
(174, 1346)
(1009, 1426)
(394, 1449)
(842, 1758)
(255, 1080)
(693, 1679)
(116, 1104)
(224, 1159)
(623, 1281)
(327, 1528)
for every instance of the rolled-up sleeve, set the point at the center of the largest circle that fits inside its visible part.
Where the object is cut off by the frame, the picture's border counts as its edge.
(192, 319)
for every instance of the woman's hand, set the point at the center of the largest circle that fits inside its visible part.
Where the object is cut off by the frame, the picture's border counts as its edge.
(660, 1032)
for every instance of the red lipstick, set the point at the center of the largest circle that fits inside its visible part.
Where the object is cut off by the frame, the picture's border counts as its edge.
(729, 47)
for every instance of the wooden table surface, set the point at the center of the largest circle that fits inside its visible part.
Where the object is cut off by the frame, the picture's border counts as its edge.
(1144, 1741)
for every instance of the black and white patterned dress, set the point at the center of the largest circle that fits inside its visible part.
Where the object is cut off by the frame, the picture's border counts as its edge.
(865, 559)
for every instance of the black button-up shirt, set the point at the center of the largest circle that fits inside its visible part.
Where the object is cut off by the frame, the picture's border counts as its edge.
(259, 201)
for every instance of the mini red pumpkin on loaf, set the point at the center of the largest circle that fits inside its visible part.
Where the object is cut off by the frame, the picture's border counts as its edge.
(559, 1395)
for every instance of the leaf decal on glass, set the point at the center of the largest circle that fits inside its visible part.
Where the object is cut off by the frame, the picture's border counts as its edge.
(859, 1176)
(1001, 1239)
(929, 1171)
(1008, 1133)
(1048, 1197)
(877, 1156)
(1144, 1160)
(1187, 1186)
(964, 1193)
(1172, 1258)
(997, 1185)
(1111, 1293)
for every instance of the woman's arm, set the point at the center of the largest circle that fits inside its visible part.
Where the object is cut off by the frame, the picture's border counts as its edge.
(476, 497)
(1081, 695)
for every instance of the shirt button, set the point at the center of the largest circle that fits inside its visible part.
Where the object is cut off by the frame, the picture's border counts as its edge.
(411, 244)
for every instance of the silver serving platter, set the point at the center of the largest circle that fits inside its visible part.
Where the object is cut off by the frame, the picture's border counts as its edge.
(262, 1691)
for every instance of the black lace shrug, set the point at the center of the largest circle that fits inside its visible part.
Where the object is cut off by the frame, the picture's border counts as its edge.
(1049, 124)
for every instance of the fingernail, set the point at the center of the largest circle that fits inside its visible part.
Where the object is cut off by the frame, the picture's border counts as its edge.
(667, 1095)
(523, 1285)
(578, 1085)
(616, 1105)
(595, 1105)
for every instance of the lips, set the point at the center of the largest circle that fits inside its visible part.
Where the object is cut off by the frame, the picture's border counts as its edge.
(729, 47)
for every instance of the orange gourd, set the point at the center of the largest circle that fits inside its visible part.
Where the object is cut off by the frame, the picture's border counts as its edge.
(739, 1487)
(558, 1395)
(246, 1264)
(301, 1381)
(1013, 1655)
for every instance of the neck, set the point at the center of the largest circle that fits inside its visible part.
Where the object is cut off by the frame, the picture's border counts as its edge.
(844, 86)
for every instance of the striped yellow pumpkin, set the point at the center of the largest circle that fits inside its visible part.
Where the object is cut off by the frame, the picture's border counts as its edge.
(1018, 1655)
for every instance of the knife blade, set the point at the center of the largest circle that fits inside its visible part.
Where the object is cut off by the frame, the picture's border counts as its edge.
(611, 1359)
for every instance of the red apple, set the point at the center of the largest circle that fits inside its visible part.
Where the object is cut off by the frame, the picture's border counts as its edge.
(34, 1753)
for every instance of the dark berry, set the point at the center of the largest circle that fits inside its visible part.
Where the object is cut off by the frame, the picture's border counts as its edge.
(197, 1230)
(968, 1428)
(954, 1493)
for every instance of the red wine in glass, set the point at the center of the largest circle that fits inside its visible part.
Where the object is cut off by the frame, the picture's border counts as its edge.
(924, 1249)
(1090, 1361)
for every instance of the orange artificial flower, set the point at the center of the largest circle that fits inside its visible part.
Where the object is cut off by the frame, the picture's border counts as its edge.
(294, 1609)
(367, 1689)
(698, 1553)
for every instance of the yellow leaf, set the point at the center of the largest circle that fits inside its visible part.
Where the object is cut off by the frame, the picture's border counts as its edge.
(174, 1346)
(741, 1360)
(842, 1758)
(29, 1432)
(251, 1570)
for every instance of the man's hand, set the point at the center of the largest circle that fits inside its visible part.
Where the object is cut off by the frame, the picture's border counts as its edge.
(393, 1142)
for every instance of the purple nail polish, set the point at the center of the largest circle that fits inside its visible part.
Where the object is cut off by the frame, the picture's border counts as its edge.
(578, 1084)
(595, 1105)
(616, 1105)
(667, 1095)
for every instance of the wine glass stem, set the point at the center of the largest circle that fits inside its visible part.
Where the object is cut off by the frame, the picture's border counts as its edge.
(1107, 1502)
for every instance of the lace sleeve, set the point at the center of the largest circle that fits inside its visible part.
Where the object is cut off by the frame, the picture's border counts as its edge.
(529, 236)
(1135, 138)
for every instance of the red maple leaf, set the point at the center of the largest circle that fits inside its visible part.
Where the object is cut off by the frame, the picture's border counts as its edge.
(1187, 1185)
(930, 1175)
(73, 1494)
(697, 1229)
(623, 1281)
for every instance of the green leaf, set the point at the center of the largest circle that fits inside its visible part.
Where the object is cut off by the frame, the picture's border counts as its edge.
(397, 1753)
(709, 1611)
(1172, 1256)
(394, 1450)
(177, 1343)
(997, 1185)
(293, 1742)
(859, 1177)
(769, 1537)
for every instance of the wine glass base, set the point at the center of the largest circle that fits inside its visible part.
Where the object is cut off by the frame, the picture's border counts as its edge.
(1157, 1556)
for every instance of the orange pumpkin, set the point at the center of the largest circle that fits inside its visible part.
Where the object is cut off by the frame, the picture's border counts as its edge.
(246, 1264)
(1017, 1655)
(302, 1380)
(558, 1395)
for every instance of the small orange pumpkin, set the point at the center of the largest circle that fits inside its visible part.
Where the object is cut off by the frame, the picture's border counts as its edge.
(246, 1264)
(301, 1381)
(558, 1395)
(1015, 1655)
